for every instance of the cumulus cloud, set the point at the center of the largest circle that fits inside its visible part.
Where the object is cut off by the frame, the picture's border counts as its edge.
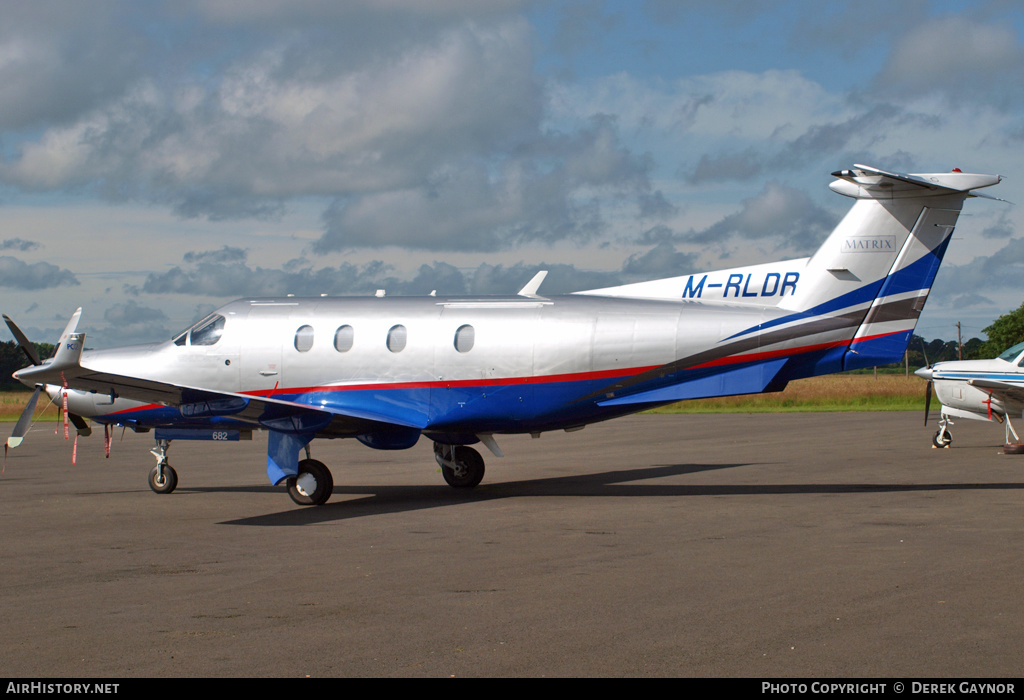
(955, 56)
(548, 192)
(230, 279)
(993, 275)
(227, 254)
(18, 274)
(60, 60)
(1002, 228)
(18, 244)
(274, 127)
(663, 260)
(727, 166)
(779, 212)
(437, 145)
(129, 323)
(225, 279)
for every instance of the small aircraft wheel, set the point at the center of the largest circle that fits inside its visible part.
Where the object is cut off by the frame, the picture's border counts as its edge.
(313, 485)
(163, 479)
(942, 439)
(1013, 448)
(469, 468)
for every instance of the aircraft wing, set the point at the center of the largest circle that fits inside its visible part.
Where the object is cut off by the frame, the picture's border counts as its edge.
(1009, 390)
(262, 410)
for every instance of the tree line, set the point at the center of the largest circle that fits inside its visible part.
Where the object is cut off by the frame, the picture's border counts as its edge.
(13, 358)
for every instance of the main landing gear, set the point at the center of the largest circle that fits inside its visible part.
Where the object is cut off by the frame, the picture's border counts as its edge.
(462, 467)
(313, 485)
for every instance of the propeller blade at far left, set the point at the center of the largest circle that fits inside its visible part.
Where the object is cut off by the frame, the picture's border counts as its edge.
(23, 341)
(25, 420)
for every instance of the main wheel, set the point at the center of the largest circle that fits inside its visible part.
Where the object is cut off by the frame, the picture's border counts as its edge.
(942, 439)
(468, 470)
(313, 485)
(163, 479)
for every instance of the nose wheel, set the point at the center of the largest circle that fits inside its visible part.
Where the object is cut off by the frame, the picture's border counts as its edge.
(163, 478)
(943, 438)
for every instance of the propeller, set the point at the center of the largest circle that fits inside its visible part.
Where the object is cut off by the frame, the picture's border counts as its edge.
(926, 374)
(25, 419)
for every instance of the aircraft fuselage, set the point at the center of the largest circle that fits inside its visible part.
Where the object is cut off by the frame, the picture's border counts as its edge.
(508, 364)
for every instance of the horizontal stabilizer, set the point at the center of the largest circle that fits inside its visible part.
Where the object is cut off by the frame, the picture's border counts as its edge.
(866, 182)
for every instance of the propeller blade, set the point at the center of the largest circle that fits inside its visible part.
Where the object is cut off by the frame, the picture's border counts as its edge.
(25, 420)
(23, 341)
(927, 400)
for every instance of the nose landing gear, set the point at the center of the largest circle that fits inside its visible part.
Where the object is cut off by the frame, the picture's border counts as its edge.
(163, 478)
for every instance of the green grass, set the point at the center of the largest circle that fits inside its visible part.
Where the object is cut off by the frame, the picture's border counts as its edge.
(834, 392)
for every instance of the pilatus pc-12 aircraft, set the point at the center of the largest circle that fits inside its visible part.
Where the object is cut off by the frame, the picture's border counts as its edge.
(389, 371)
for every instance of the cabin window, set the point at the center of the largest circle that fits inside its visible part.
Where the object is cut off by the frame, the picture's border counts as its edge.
(465, 336)
(396, 338)
(208, 331)
(343, 338)
(304, 338)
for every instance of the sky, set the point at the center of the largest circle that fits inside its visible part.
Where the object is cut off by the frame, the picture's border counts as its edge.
(160, 158)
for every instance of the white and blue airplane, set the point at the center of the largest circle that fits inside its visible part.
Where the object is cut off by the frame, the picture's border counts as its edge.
(986, 390)
(389, 371)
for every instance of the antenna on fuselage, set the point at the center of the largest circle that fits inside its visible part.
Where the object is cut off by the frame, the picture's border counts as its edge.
(531, 288)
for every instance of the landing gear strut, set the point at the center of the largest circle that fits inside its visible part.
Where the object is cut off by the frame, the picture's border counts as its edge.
(163, 478)
(462, 467)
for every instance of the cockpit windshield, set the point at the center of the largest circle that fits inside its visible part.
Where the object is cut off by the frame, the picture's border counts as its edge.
(1011, 354)
(206, 332)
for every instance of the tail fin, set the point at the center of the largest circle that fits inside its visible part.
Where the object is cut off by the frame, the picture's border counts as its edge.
(880, 261)
(853, 304)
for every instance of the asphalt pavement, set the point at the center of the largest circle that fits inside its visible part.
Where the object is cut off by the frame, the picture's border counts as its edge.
(787, 545)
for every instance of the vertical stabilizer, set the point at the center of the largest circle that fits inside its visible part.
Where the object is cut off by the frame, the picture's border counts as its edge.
(878, 265)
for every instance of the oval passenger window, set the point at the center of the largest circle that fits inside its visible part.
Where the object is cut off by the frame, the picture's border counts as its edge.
(304, 338)
(343, 338)
(465, 336)
(396, 338)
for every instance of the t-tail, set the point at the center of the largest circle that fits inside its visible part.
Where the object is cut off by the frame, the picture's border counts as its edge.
(852, 304)
(875, 270)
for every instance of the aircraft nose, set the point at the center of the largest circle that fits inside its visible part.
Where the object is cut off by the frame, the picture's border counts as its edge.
(924, 373)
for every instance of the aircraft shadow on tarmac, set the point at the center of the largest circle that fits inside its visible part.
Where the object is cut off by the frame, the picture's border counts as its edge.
(380, 500)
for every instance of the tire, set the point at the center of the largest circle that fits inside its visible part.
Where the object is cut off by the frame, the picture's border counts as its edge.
(946, 441)
(165, 483)
(469, 471)
(322, 483)
(1015, 448)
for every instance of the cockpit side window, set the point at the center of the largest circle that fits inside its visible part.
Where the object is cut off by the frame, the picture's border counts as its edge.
(1011, 354)
(208, 331)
